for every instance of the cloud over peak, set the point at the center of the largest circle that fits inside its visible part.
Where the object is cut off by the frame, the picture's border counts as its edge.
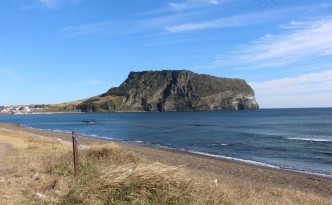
(298, 41)
(313, 39)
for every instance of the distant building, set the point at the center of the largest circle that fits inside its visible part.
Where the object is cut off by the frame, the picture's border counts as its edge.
(26, 109)
(17, 110)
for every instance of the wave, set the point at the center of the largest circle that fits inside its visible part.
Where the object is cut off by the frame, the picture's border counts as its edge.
(310, 139)
(42, 129)
(199, 125)
(68, 132)
(217, 144)
(97, 136)
(237, 159)
(138, 141)
(328, 175)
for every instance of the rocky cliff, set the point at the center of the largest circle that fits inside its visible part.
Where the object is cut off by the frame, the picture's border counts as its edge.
(176, 90)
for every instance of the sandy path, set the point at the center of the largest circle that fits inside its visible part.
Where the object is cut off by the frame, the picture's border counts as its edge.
(5, 150)
(6, 147)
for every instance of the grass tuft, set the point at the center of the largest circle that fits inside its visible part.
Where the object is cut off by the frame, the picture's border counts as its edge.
(62, 169)
(143, 184)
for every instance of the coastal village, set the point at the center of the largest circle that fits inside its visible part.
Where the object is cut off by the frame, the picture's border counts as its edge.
(20, 109)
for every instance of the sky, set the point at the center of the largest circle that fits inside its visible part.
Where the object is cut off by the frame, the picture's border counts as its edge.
(55, 51)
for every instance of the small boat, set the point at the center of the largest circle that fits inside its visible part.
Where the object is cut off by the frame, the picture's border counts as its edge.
(89, 121)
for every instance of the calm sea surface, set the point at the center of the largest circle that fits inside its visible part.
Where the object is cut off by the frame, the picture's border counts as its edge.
(297, 139)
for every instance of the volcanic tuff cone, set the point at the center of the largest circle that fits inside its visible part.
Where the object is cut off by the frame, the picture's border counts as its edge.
(174, 90)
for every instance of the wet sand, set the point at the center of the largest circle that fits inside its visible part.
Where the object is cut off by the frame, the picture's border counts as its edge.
(222, 169)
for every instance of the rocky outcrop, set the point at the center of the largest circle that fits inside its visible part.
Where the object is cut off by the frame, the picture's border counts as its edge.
(178, 90)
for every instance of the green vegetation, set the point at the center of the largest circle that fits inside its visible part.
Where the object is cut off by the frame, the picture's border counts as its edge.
(89, 105)
(118, 91)
(172, 90)
(205, 85)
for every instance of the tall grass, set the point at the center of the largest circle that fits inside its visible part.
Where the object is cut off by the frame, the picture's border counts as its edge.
(109, 175)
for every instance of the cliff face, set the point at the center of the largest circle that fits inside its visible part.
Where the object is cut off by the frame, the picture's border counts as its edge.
(179, 90)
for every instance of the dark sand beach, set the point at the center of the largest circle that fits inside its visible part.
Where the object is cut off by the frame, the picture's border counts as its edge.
(224, 170)
(236, 171)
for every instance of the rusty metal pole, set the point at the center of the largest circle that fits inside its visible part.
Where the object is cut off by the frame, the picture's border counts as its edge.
(75, 153)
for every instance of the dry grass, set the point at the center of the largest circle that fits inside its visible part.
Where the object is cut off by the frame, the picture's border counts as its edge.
(110, 175)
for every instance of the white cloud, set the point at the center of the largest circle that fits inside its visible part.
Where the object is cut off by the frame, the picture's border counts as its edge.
(304, 41)
(88, 83)
(296, 101)
(189, 4)
(215, 23)
(232, 21)
(93, 82)
(313, 40)
(300, 91)
(123, 27)
(293, 25)
(94, 28)
(190, 27)
(327, 53)
(54, 4)
(309, 39)
(185, 5)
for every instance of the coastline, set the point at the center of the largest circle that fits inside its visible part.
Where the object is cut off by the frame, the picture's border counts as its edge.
(90, 140)
(235, 170)
(226, 170)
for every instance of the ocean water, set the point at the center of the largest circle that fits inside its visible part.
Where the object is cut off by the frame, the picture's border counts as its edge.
(296, 139)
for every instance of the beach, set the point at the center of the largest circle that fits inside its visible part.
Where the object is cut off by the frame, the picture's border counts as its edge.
(236, 171)
(226, 172)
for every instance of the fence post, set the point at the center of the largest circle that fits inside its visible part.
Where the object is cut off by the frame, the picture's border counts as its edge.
(75, 153)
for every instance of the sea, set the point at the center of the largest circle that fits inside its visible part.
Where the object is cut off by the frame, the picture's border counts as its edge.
(292, 139)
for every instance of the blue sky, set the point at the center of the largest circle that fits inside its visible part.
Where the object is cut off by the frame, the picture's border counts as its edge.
(54, 51)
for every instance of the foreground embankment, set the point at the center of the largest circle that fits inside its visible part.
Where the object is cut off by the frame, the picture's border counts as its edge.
(36, 166)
